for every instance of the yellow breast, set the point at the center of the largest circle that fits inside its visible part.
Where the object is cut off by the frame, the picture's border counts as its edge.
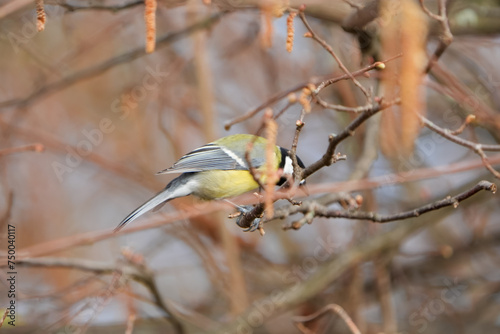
(218, 184)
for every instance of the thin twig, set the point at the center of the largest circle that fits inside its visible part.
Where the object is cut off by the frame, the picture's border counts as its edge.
(353, 5)
(448, 134)
(138, 272)
(131, 310)
(103, 299)
(328, 158)
(339, 107)
(107, 65)
(323, 211)
(319, 83)
(375, 65)
(92, 6)
(37, 147)
(468, 99)
(326, 273)
(329, 49)
(273, 99)
(428, 12)
(462, 127)
(10, 7)
(445, 38)
(476, 147)
(370, 148)
(282, 111)
(337, 309)
(90, 238)
(8, 212)
(4, 316)
(130, 323)
(297, 170)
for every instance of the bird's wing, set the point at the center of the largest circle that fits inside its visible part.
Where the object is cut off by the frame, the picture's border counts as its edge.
(208, 157)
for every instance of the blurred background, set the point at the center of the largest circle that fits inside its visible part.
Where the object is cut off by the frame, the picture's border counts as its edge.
(87, 118)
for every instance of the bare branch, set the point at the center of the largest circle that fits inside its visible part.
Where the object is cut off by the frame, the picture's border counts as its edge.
(275, 98)
(248, 217)
(319, 83)
(4, 316)
(92, 6)
(136, 271)
(468, 120)
(477, 148)
(316, 210)
(375, 65)
(428, 12)
(330, 270)
(334, 308)
(12, 6)
(328, 157)
(107, 65)
(8, 212)
(448, 134)
(37, 147)
(446, 36)
(329, 49)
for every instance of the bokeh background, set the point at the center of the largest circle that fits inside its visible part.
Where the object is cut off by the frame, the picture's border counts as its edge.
(104, 117)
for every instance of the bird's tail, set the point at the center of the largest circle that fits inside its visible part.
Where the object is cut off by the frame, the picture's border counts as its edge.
(163, 196)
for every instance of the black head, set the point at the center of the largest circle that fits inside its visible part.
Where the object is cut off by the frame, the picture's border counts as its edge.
(287, 165)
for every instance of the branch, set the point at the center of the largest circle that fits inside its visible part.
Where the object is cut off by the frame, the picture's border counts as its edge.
(316, 210)
(92, 6)
(4, 316)
(107, 65)
(8, 212)
(329, 49)
(319, 83)
(13, 6)
(476, 147)
(328, 308)
(275, 98)
(362, 16)
(445, 38)
(37, 147)
(136, 271)
(313, 209)
(339, 107)
(245, 219)
(329, 156)
(90, 238)
(328, 270)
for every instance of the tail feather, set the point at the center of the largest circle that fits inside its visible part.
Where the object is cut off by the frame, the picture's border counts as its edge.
(164, 196)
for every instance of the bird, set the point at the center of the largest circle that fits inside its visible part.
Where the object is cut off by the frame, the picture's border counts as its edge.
(219, 170)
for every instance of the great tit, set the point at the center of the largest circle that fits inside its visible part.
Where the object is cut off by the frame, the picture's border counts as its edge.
(218, 170)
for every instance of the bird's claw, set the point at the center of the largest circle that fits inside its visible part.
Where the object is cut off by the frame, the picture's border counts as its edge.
(242, 211)
(255, 225)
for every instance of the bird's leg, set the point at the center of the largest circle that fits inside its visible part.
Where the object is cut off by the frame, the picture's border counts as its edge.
(254, 225)
(243, 210)
(251, 220)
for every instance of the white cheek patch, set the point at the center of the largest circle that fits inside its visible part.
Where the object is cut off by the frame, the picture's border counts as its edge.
(234, 157)
(288, 168)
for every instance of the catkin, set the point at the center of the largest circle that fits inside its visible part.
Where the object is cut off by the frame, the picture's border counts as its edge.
(290, 31)
(150, 18)
(40, 15)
